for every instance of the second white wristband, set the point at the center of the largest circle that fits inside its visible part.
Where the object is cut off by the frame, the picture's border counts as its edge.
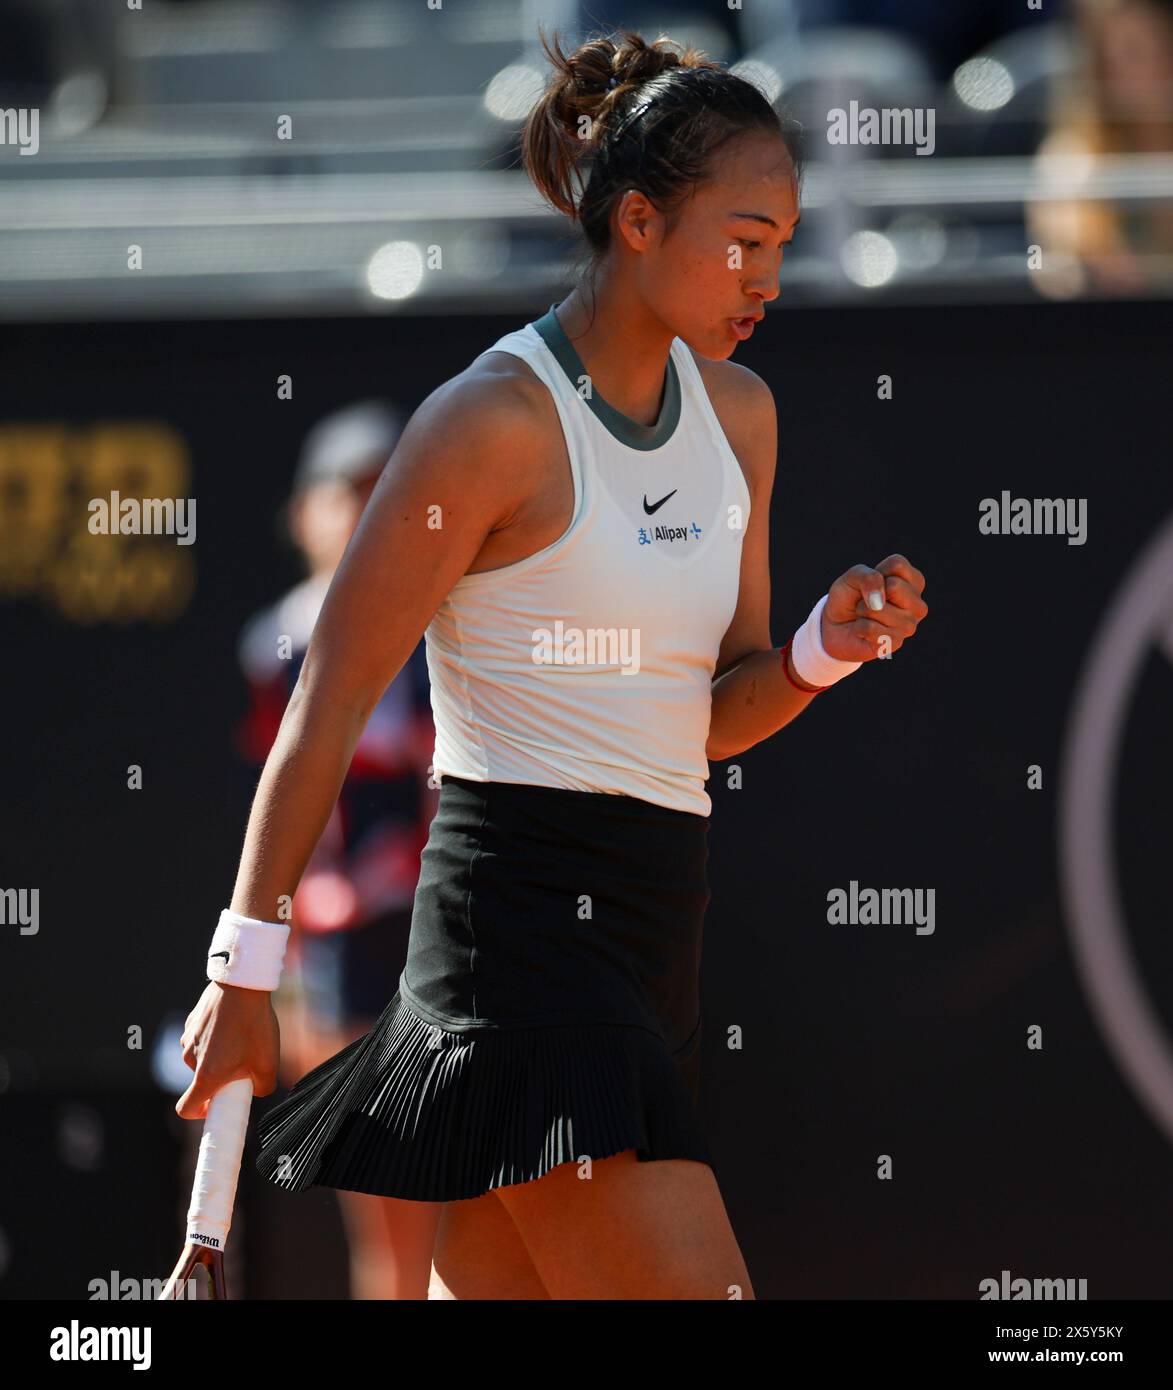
(246, 952)
(809, 656)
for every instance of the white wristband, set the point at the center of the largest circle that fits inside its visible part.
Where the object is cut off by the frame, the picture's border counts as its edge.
(809, 657)
(247, 953)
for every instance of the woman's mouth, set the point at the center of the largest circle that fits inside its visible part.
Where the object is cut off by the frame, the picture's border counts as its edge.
(743, 327)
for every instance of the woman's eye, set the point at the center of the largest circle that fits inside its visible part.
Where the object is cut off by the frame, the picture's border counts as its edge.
(750, 245)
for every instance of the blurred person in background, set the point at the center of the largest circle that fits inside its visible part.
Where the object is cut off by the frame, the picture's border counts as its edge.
(352, 910)
(1118, 101)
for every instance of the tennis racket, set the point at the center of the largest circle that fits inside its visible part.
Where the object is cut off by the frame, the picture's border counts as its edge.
(214, 1190)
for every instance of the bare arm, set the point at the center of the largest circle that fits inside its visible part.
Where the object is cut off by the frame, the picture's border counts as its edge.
(752, 697)
(451, 480)
(755, 698)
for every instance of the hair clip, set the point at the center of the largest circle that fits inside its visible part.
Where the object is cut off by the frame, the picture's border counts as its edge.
(614, 82)
(630, 119)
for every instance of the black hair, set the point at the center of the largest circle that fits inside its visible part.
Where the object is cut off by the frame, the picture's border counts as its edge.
(637, 115)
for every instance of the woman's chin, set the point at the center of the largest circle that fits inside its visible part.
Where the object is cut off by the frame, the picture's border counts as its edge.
(717, 347)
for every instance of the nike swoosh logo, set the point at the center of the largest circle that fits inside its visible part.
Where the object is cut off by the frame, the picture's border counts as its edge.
(655, 506)
(218, 953)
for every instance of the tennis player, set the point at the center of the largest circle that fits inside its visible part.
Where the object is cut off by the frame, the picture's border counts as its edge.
(578, 523)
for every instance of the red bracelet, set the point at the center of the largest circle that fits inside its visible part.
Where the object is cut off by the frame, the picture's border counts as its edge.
(813, 690)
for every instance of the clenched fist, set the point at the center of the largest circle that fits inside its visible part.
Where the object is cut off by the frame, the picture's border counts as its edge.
(853, 628)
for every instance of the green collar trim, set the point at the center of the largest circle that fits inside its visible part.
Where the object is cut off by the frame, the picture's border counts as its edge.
(626, 430)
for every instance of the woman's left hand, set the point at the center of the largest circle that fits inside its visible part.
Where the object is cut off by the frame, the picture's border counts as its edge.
(854, 631)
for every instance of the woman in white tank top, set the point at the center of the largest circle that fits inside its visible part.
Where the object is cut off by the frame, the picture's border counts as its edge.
(579, 525)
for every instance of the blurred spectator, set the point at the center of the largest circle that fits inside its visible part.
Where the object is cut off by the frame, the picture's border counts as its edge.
(1118, 102)
(352, 910)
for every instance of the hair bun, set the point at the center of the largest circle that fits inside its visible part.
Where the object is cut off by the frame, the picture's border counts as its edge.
(591, 96)
(635, 61)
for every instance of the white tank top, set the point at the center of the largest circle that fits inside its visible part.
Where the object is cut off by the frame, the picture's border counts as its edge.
(589, 664)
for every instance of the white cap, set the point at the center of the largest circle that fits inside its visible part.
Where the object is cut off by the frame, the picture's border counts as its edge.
(351, 443)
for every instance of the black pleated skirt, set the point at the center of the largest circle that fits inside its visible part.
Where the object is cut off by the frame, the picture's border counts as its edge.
(548, 1012)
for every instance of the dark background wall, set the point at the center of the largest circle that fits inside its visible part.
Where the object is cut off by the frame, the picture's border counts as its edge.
(856, 1041)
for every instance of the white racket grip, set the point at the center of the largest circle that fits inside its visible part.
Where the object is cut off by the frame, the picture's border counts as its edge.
(218, 1165)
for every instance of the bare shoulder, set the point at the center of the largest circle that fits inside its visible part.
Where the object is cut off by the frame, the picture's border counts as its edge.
(743, 388)
(496, 406)
(745, 407)
(489, 425)
(500, 384)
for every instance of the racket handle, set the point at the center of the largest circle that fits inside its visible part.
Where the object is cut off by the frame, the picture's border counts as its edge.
(218, 1166)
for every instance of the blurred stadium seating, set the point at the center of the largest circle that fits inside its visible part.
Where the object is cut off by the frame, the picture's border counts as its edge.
(160, 128)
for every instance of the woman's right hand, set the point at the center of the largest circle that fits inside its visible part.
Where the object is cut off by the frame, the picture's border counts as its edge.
(230, 1033)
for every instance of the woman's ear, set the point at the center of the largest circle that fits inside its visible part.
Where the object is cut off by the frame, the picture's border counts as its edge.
(634, 217)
